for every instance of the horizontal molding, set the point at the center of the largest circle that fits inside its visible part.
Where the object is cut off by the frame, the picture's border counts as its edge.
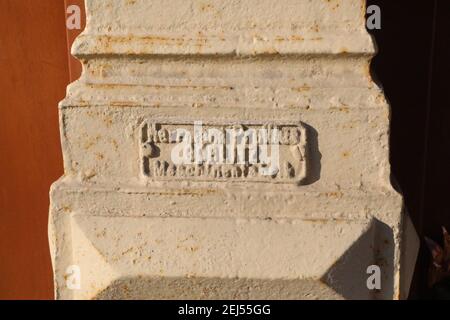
(359, 43)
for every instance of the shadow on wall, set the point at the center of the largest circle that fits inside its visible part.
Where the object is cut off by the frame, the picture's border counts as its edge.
(348, 276)
(314, 156)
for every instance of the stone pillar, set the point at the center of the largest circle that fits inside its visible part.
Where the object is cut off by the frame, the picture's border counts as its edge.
(134, 223)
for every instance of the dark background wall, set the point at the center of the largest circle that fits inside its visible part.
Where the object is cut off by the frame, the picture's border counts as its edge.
(412, 65)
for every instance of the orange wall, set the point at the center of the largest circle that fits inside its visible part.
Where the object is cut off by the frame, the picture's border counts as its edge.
(34, 73)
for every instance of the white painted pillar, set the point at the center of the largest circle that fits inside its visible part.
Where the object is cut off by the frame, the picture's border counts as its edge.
(127, 222)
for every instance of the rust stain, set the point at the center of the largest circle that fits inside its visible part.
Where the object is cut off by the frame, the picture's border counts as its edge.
(302, 88)
(181, 192)
(91, 142)
(334, 194)
(323, 220)
(156, 86)
(340, 109)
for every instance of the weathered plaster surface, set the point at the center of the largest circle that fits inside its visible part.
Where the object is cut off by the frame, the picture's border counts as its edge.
(290, 61)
